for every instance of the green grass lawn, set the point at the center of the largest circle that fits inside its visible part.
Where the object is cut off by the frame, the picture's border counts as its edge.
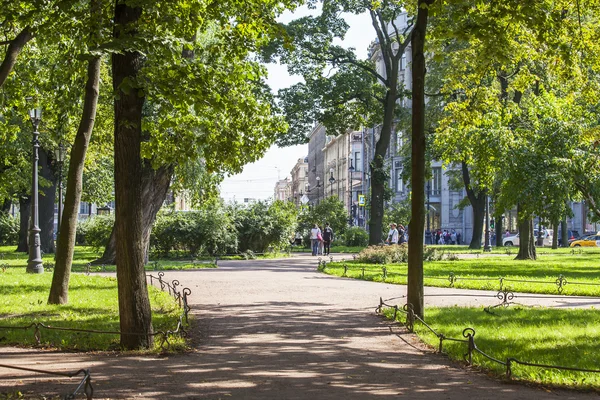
(569, 338)
(93, 305)
(483, 273)
(84, 255)
(512, 251)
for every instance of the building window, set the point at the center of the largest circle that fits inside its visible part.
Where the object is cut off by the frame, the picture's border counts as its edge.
(358, 161)
(436, 181)
(403, 62)
(399, 184)
(84, 208)
(398, 141)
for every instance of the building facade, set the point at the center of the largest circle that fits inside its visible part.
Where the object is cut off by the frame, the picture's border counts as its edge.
(299, 182)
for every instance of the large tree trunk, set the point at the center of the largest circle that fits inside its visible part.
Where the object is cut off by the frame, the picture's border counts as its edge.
(477, 201)
(47, 200)
(378, 173)
(14, 48)
(59, 291)
(156, 184)
(24, 214)
(134, 305)
(6, 206)
(564, 239)
(417, 223)
(555, 235)
(526, 239)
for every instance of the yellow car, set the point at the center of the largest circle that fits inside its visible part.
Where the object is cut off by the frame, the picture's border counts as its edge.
(589, 241)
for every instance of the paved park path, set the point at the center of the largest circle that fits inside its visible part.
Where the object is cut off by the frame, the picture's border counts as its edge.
(278, 329)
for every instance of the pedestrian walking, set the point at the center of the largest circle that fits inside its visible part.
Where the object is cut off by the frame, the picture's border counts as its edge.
(401, 234)
(314, 239)
(392, 234)
(320, 239)
(327, 238)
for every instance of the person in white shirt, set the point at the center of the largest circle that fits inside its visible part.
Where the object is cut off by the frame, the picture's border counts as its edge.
(314, 239)
(392, 234)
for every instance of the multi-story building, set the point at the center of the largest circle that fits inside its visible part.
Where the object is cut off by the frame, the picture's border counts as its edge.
(316, 161)
(299, 181)
(283, 190)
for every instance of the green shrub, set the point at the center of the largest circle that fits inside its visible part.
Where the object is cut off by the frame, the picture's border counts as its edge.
(356, 236)
(432, 254)
(384, 254)
(98, 230)
(81, 231)
(199, 232)
(9, 230)
(395, 254)
(265, 226)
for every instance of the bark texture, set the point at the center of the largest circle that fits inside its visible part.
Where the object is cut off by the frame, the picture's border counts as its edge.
(526, 239)
(134, 305)
(24, 214)
(477, 201)
(12, 52)
(59, 291)
(155, 184)
(415, 245)
(46, 202)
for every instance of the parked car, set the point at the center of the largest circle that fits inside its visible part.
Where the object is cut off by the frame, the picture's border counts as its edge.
(571, 236)
(587, 241)
(514, 239)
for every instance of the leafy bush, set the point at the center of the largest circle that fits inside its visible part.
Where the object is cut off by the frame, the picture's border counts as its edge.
(263, 226)
(356, 236)
(395, 254)
(432, 254)
(384, 254)
(81, 231)
(208, 231)
(98, 229)
(9, 229)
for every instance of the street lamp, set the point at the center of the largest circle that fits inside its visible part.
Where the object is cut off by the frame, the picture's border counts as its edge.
(331, 181)
(487, 246)
(59, 154)
(34, 262)
(318, 190)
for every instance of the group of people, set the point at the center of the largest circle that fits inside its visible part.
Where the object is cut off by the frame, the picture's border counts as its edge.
(396, 235)
(320, 240)
(446, 237)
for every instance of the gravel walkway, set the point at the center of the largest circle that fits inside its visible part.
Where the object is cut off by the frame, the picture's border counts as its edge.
(277, 329)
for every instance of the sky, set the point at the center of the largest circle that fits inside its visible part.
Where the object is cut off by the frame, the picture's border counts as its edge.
(258, 179)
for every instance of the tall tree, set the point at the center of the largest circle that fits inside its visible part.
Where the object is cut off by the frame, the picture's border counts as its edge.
(417, 224)
(357, 93)
(64, 256)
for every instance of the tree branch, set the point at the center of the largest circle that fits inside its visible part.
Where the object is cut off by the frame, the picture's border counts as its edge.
(381, 38)
(14, 48)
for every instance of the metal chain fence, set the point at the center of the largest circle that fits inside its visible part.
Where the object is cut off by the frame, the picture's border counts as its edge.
(180, 295)
(560, 282)
(468, 338)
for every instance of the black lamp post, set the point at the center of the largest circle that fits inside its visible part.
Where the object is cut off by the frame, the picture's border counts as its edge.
(428, 230)
(487, 246)
(318, 190)
(59, 153)
(331, 181)
(34, 262)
